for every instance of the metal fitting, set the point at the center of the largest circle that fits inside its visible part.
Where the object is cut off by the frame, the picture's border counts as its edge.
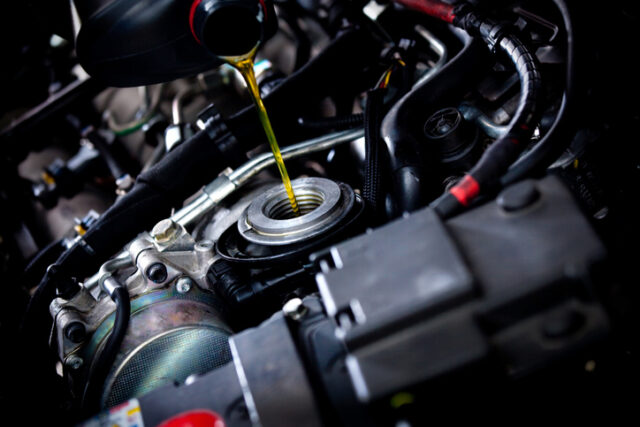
(164, 231)
(73, 362)
(184, 284)
(269, 219)
(157, 272)
(294, 309)
(75, 332)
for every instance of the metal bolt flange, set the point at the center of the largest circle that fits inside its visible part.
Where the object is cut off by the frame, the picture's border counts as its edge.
(184, 284)
(73, 362)
(294, 309)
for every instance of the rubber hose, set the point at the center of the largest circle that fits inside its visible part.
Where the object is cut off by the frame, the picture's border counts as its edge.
(374, 154)
(335, 123)
(496, 160)
(558, 138)
(102, 366)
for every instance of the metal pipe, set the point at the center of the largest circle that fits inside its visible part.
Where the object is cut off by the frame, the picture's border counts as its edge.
(229, 181)
(488, 126)
(438, 47)
(122, 260)
(176, 104)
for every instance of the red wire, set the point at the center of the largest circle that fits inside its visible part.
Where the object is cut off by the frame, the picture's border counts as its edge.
(435, 8)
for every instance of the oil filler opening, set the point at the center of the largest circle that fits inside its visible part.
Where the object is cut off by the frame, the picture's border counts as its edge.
(279, 207)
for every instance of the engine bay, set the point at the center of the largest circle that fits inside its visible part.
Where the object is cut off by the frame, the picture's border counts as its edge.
(318, 212)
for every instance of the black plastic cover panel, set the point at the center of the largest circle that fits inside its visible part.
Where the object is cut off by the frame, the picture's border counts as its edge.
(419, 298)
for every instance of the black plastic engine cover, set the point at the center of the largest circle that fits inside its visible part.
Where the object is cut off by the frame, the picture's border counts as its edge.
(419, 298)
(141, 42)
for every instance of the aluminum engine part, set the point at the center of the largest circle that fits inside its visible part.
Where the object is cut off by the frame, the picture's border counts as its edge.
(270, 221)
(176, 327)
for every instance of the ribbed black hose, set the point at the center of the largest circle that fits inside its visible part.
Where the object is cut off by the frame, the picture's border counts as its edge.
(101, 367)
(558, 136)
(374, 154)
(335, 123)
(503, 152)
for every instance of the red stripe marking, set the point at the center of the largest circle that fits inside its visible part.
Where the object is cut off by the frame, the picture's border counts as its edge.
(466, 190)
(435, 8)
(264, 8)
(192, 13)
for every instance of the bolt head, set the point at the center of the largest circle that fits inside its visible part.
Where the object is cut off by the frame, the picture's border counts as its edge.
(73, 362)
(191, 379)
(157, 273)
(164, 231)
(184, 284)
(75, 332)
(294, 309)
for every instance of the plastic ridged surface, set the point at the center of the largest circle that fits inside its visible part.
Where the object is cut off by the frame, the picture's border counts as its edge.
(170, 358)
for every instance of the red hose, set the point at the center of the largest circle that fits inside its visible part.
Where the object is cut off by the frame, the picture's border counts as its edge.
(435, 8)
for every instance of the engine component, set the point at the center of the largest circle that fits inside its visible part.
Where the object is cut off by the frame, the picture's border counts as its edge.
(269, 220)
(451, 305)
(173, 314)
(381, 303)
(266, 233)
(354, 339)
(454, 139)
(403, 130)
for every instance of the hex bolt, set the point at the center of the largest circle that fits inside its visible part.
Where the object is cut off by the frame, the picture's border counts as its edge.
(157, 272)
(75, 332)
(294, 309)
(184, 284)
(164, 231)
(73, 362)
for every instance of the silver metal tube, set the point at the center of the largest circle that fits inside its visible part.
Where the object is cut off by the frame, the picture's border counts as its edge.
(176, 105)
(122, 260)
(228, 182)
(262, 161)
(438, 47)
(473, 114)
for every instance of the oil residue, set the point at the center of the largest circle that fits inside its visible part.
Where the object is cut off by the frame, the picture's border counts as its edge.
(244, 64)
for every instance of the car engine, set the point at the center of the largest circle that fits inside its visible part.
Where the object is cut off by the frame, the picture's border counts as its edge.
(451, 237)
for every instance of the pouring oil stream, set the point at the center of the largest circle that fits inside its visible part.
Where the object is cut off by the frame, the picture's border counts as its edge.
(244, 64)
